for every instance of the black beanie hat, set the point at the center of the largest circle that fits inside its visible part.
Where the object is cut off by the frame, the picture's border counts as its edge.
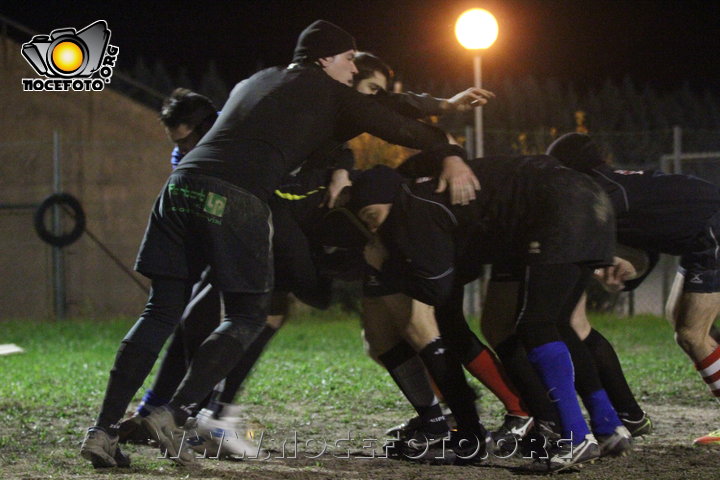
(380, 184)
(577, 151)
(322, 39)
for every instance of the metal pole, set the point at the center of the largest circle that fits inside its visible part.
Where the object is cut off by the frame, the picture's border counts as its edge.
(57, 253)
(471, 289)
(677, 149)
(669, 266)
(480, 284)
(479, 151)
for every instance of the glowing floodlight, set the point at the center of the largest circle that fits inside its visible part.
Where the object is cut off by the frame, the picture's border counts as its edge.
(476, 29)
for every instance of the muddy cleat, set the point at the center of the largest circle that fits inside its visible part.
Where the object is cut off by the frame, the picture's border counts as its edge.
(162, 428)
(102, 449)
(224, 436)
(566, 455)
(469, 447)
(617, 444)
(400, 430)
(712, 439)
(505, 441)
(424, 446)
(638, 428)
(536, 444)
(131, 430)
(417, 441)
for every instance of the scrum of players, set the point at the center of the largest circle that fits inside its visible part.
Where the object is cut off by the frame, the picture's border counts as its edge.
(275, 163)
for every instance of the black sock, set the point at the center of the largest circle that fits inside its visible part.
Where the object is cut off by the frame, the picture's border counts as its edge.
(237, 375)
(454, 329)
(219, 354)
(172, 368)
(612, 376)
(132, 365)
(587, 380)
(213, 361)
(449, 377)
(408, 371)
(525, 378)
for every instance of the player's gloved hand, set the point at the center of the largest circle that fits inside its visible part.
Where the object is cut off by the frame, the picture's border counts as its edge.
(461, 180)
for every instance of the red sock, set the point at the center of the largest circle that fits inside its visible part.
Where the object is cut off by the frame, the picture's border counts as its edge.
(486, 368)
(709, 369)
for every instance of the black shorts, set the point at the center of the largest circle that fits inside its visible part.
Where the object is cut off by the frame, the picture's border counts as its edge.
(373, 287)
(564, 217)
(701, 267)
(199, 220)
(570, 220)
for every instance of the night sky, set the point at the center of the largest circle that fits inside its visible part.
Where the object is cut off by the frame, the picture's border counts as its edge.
(658, 43)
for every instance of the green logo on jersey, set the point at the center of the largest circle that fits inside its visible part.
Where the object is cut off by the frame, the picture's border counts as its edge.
(215, 204)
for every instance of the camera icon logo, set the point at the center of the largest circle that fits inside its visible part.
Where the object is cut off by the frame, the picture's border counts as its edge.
(71, 55)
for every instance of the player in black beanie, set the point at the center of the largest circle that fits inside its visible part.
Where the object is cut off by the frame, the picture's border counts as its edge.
(378, 185)
(328, 46)
(322, 39)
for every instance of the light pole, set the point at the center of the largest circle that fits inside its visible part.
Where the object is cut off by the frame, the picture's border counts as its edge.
(476, 29)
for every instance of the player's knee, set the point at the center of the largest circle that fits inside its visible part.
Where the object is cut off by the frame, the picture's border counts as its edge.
(370, 349)
(688, 338)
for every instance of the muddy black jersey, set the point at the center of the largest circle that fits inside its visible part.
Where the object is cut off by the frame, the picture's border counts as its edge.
(529, 210)
(658, 211)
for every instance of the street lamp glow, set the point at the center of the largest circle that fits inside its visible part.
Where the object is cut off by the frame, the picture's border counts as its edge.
(476, 29)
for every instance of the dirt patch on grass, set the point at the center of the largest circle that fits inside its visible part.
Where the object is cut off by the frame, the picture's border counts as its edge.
(316, 445)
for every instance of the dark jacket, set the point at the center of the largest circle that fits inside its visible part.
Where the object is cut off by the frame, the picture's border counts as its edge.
(279, 117)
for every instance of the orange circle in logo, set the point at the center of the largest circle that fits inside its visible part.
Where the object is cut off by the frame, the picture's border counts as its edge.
(67, 56)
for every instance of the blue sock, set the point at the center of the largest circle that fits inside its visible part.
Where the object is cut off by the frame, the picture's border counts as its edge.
(603, 417)
(152, 400)
(552, 361)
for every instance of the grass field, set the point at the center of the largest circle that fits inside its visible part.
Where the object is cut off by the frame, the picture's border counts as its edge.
(314, 380)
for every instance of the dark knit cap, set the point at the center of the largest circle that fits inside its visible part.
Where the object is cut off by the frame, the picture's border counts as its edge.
(322, 39)
(576, 151)
(380, 184)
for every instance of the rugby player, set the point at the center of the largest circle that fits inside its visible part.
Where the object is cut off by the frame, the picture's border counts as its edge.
(663, 213)
(213, 211)
(555, 224)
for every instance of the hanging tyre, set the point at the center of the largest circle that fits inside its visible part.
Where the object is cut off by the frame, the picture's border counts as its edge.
(69, 205)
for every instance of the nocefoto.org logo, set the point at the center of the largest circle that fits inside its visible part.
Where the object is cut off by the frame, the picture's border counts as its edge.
(71, 60)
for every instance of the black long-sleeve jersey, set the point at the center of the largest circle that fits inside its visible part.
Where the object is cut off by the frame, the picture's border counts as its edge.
(279, 117)
(657, 211)
(529, 210)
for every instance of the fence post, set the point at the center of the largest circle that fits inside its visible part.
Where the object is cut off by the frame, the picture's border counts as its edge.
(57, 252)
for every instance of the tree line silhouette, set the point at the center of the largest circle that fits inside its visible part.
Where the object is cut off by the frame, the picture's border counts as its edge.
(634, 121)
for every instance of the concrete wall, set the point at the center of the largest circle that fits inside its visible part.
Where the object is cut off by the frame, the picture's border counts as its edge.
(115, 158)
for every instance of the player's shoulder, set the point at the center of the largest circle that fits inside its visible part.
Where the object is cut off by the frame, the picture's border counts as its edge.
(423, 202)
